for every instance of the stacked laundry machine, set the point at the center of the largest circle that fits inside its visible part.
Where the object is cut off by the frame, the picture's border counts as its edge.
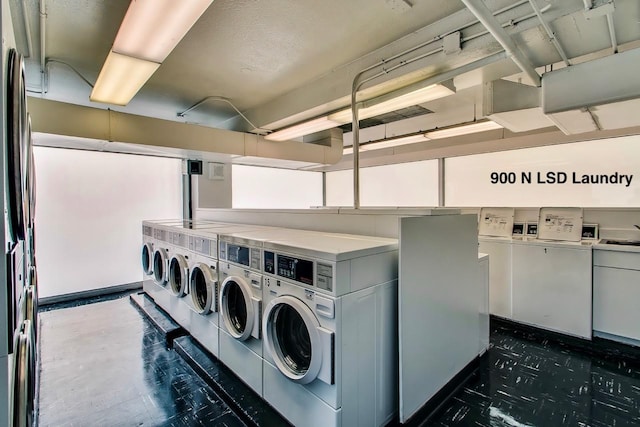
(308, 320)
(19, 347)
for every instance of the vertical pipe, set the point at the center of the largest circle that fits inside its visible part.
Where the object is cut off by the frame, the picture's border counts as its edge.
(441, 199)
(356, 141)
(612, 33)
(187, 213)
(43, 32)
(324, 189)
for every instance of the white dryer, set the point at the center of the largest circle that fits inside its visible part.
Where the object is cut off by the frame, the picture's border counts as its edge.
(330, 329)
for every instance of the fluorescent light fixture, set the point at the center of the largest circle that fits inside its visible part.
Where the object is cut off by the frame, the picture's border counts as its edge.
(463, 130)
(121, 78)
(150, 30)
(301, 129)
(371, 108)
(388, 143)
(420, 96)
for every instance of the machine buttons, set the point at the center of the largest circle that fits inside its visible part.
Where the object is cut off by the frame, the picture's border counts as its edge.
(308, 294)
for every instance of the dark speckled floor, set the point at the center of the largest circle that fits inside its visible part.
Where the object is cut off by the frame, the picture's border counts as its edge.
(104, 365)
(530, 382)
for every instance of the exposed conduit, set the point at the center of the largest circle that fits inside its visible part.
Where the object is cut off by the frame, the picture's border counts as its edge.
(484, 15)
(43, 25)
(358, 81)
(550, 33)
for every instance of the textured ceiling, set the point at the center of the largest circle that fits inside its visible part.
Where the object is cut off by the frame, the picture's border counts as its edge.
(257, 51)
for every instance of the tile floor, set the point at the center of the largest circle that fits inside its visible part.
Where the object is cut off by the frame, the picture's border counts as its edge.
(104, 365)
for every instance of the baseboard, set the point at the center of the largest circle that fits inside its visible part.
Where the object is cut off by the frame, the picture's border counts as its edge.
(92, 293)
(602, 347)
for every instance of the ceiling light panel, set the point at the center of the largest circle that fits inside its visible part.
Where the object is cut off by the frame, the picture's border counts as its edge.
(151, 29)
(301, 129)
(121, 78)
(372, 108)
(463, 130)
(378, 145)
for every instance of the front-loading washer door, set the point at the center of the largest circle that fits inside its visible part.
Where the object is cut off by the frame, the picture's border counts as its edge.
(240, 310)
(147, 258)
(298, 345)
(178, 275)
(203, 289)
(160, 264)
(23, 380)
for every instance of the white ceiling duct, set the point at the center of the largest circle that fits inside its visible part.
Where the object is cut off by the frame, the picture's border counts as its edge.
(600, 94)
(514, 105)
(184, 140)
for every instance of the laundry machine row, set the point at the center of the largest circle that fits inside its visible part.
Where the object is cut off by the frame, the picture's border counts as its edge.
(306, 319)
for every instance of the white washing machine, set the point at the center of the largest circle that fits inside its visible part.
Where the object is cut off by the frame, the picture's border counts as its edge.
(330, 329)
(164, 240)
(240, 301)
(202, 299)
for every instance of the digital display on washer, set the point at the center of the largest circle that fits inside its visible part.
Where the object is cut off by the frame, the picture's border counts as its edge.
(238, 254)
(269, 262)
(296, 269)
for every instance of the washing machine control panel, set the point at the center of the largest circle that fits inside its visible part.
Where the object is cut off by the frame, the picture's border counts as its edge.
(239, 254)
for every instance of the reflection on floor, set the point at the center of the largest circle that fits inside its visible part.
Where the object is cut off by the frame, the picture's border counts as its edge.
(104, 365)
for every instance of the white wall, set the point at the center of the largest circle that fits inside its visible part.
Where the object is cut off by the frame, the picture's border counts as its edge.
(404, 184)
(468, 178)
(89, 211)
(270, 188)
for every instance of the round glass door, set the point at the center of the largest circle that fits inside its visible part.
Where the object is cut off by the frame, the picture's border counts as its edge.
(202, 288)
(178, 275)
(147, 262)
(291, 337)
(160, 267)
(236, 307)
(23, 384)
(16, 132)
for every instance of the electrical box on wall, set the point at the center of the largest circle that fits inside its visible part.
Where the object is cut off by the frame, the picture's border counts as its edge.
(194, 167)
(216, 171)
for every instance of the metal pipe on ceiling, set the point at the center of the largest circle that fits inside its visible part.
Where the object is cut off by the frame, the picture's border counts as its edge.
(358, 82)
(43, 26)
(484, 15)
(27, 29)
(550, 32)
(588, 4)
(612, 32)
(511, 23)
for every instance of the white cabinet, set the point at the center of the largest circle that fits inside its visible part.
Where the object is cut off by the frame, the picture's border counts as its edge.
(552, 286)
(499, 275)
(616, 294)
